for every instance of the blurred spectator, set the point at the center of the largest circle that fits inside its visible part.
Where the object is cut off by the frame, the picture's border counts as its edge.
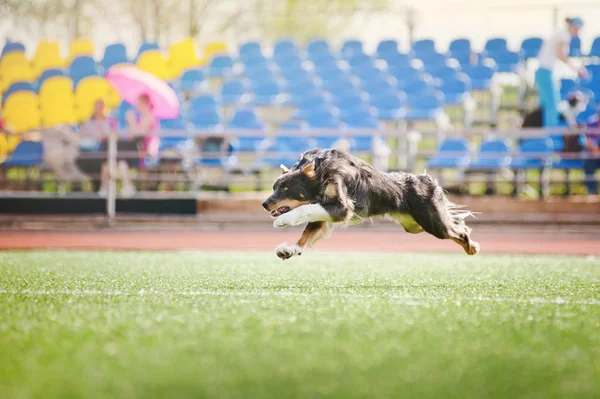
(555, 49)
(592, 163)
(61, 148)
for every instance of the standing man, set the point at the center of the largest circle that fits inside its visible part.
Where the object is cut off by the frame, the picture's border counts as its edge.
(555, 49)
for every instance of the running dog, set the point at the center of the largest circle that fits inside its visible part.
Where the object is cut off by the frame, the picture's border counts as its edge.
(329, 186)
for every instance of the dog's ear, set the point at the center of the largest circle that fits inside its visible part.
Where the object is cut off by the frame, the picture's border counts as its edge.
(309, 170)
(284, 169)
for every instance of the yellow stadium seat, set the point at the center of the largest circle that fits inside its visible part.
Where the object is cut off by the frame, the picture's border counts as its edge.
(182, 56)
(16, 73)
(58, 109)
(12, 141)
(81, 47)
(3, 147)
(13, 59)
(88, 91)
(47, 56)
(153, 61)
(22, 112)
(56, 87)
(215, 48)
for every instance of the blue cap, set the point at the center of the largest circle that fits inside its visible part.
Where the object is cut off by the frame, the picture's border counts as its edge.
(578, 22)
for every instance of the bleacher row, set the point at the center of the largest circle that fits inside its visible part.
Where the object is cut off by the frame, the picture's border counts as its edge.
(326, 88)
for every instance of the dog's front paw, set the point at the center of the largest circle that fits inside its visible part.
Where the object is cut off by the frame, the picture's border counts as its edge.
(292, 218)
(284, 252)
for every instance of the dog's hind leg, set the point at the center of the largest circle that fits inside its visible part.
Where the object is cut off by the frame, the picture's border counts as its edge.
(430, 208)
(312, 233)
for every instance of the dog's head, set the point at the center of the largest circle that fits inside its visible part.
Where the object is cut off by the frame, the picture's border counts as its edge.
(292, 189)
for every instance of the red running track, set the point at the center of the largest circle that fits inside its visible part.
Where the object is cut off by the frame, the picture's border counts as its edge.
(346, 241)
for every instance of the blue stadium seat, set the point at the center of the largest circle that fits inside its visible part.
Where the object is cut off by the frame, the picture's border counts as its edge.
(531, 47)
(49, 73)
(417, 87)
(567, 86)
(533, 154)
(324, 120)
(378, 86)
(453, 153)
(260, 72)
(322, 59)
(301, 86)
(357, 60)
(406, 75)
(389, 106)
(361, 120)
(208, 119)
(202, 103)
(443, 72)
(191, 80)
(246, 119)
(595, 49)
(288, 61)
(120, 113)
(11, 47)
(17, 87)
(317, 46)
(423, 47)
(255, 61)
(396, 59)
(495, 45)
(285, 48)
(250, 49)
(349, 102)
(340, 87)
(114, 54)
(575, 47)
(82, 67)
(593, 85)
(493, 155)
(481, 76)
(288, 147)
(433, 59)
(147, 46)
(506, 61)
(589, 114)
(233, 92)
(172, 124)
(220, 66)
(459, 47)
(26, 154)
(267, 93)
(308, 104)
(456, 90)
(331, 74)
(368, 72)
(386, 46)
(351, 48)
(426, 106)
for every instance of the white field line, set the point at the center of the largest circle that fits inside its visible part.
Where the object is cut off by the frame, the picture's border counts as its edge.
(402, 299)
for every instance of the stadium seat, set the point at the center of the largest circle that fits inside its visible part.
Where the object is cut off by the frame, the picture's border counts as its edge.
(250, 50)
(58, 86)
(171, 124)
(377, 86)
(349, 102)
(390, 107)
(386, 46)
(49, 73)
(295, 74)
(432, 59)
(286, 147)
(533, 154)
(506, 61)
(288, 61)
(246, 119)
(11, 47)
(114, 54)
(220, 66)
(590, 114)
(267, 93)
(351, 48)
(82, 67)
(575, 47)
(13, 60)
(423, 47)
(147, 46)
(456, 90)
(260, 73)
(459, 46)
(309, 103)
(496, 45)
(88, 91)
(16, 73)
(15, 88)
(396, 59)
(233, 93)
(324, 120)
(443, 72)
(284, 48)
(21, 111)
(531, 47)
(453, 153)
(214, 49)
(359, 60)
(202, 103)
(340, 87)
(321, 60)
(206, 119)
(361, 120)
(301, 86)
(26, 154)
(368, 72)
(182, 56)
(331, 74)
(595, 49)
(405, 75)
(152, 61)
(317, 46)
(81, 47)
(567, 86)
(418, 87)
(57, 101)
(493, 155)
(481, 76)
(47, 57)
(426, 105)
(191, 80)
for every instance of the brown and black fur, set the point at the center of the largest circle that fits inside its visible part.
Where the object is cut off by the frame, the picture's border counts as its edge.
(351, 190)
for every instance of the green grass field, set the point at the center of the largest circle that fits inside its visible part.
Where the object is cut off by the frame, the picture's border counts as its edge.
(246, 325)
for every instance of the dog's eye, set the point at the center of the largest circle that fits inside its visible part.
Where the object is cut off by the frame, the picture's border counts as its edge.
(284, 188)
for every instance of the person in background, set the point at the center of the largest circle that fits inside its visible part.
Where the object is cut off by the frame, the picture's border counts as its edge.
(592, 162)
(554, 50)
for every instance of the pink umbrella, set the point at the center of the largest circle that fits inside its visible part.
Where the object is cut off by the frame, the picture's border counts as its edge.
(131, 82)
